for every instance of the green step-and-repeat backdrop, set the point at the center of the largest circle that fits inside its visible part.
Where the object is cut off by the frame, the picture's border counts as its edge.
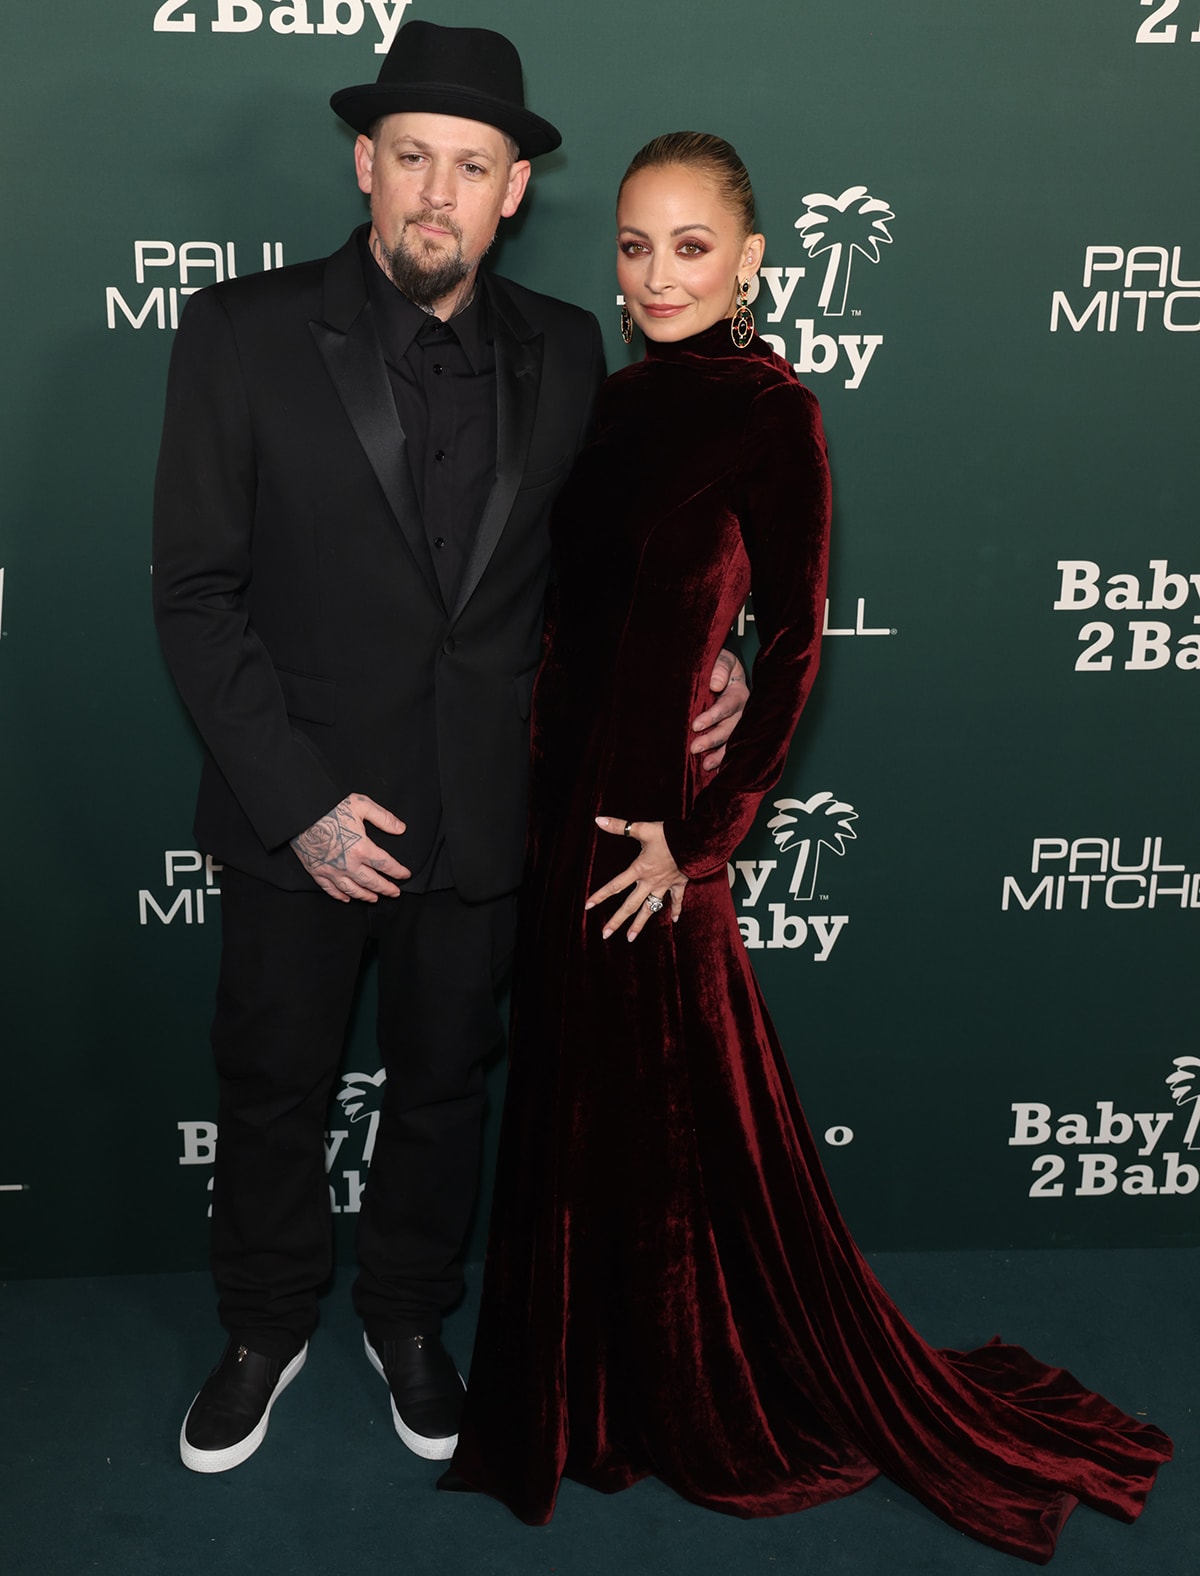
(974, 899)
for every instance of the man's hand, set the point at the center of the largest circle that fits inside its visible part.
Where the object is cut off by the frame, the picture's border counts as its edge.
(714, 726)
(342, 859)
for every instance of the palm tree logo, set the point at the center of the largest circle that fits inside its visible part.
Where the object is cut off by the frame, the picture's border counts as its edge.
(833, 831)
(1185, 1090)
(841, 226)
(360, 1097)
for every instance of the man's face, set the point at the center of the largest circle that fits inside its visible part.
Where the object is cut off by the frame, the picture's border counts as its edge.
(439, 187)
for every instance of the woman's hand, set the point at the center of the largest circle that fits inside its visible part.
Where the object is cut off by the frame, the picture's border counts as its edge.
(653, 875)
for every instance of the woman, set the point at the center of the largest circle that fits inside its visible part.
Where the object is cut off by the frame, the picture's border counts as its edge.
(669, 1286)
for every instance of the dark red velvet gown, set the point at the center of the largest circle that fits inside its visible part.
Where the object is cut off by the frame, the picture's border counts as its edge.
(670, 1289)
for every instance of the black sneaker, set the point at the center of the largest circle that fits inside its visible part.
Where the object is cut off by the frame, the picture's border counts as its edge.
(228, 1420)
(427, 1393)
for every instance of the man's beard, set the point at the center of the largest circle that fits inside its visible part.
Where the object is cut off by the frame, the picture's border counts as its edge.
(423, 271)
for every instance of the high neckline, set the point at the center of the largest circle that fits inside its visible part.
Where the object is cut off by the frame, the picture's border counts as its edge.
(711, 343)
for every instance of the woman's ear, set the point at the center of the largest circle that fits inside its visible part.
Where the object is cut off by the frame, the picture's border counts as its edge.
(752, 253)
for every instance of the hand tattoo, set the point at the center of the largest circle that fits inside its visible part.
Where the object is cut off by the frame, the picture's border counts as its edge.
(329, 840)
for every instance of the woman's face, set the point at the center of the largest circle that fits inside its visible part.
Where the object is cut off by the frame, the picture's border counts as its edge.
(680, 252)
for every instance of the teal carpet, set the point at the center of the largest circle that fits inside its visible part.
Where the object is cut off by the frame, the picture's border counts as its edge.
(95, 1376)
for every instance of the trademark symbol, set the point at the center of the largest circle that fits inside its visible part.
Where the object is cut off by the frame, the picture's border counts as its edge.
(856, 311)
(824, 897)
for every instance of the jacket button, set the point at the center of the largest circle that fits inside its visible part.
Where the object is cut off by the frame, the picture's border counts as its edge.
(439, 541)
(448, 645)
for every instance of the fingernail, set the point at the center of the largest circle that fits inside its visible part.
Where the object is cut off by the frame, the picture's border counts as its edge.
(601, 820)
(589, 905)
(606, 934)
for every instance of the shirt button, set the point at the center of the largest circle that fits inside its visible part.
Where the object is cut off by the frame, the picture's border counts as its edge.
(439, 541)
(437, 369)
(440, 454)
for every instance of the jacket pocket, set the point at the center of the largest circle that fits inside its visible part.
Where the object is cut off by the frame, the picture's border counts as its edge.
(313, 699)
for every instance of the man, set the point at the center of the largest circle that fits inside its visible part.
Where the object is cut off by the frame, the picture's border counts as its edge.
(359, 455)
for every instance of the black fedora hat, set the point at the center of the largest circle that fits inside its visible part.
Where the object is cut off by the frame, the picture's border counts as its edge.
(466, 71)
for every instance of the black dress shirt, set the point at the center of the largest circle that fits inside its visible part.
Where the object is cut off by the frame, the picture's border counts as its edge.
(443, 380)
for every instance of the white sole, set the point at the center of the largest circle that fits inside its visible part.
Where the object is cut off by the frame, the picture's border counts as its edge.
(233, 1455)
(427, 1449)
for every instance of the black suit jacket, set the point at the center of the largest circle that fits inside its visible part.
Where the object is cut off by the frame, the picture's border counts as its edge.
(296, 601)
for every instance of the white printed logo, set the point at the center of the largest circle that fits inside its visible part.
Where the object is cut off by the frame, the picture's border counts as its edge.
(1119, 873)
(359, 1096)
(1184, 1085)
(858, 627)
(1140, 286)
(287, 17)
(1144, 644)
(180, 270)
(1087, 1139)
(842, 226)
(1155, 28)
(838, 229)
(806, 826)
(181, 901)
(833, 831)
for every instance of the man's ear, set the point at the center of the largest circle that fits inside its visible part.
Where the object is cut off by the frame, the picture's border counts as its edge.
(364, 161)
(518, 180)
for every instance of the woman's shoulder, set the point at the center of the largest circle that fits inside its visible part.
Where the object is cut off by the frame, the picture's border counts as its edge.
(770, 370)
(754, 380)
(776, 394)
(782, 416)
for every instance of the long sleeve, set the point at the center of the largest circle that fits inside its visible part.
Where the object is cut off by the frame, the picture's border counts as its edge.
(782, 497)
(204, 511)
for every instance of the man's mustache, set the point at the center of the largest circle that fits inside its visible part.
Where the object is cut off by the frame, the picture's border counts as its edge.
(435, 221)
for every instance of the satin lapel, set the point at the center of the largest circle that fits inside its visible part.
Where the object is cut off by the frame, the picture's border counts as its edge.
(355, 363)
(518, 378)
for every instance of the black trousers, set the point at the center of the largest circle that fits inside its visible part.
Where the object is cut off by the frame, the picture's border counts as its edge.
(290, 964)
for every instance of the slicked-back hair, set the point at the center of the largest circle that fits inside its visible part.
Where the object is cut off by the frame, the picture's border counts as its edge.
(708, 155)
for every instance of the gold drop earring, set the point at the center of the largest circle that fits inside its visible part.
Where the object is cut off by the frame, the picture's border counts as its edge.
(626, 326)
(741, 325)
